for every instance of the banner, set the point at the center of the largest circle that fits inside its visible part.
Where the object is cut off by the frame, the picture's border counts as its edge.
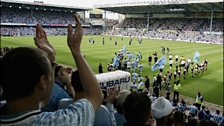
(120, 80)
(196, 57)
(159, 64)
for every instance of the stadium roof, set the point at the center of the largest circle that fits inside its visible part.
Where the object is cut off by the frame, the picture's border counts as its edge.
(164, 6)
(40, 5)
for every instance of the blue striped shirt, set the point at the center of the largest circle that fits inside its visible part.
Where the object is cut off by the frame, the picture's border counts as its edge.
(216, 118)
(79, 113)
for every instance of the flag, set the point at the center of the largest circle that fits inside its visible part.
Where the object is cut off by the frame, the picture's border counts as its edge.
(116, 62)
(159, 64)
(196, 56)
(124, 49)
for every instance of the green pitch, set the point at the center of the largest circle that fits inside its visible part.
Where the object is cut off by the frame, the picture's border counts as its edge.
(210, 84)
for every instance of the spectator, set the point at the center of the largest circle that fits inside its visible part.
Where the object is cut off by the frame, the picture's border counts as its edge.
(192, 121)
(193, 110)
(182, 106)
(178, 118)
(137, 110)
(57, 93)
(216, 117)
(162, 112)
(202, 114)
(30, 84)
(119, 105)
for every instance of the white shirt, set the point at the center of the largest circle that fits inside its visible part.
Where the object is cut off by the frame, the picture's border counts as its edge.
(182, 62)
(170, 61)
(188, 60)
(128, 64)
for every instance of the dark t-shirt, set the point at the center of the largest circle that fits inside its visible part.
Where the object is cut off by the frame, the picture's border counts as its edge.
(150, 59)
(147, 83)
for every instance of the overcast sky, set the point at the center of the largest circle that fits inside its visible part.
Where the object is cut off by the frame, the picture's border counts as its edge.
(82, 3)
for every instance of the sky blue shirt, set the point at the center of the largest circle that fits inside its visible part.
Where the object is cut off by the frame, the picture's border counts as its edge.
(103, 117)
(57, 93)
(79, 113)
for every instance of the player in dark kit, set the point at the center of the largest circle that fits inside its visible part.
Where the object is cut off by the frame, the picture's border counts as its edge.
(100, 68)
(129, 42)
(206, 64)
(147, 82)
(103, 41)
(155, 59)
(115, 43)
(150, 60)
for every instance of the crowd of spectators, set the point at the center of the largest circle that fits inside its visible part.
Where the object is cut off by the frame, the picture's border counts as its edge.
(133, 23)
(30, 16)
(30, 31)
(55, 22)
(181, 24)
(189, 29)
(111, 22)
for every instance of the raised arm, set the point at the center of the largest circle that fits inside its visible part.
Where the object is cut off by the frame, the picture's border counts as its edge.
(42, 43)
(87, 77)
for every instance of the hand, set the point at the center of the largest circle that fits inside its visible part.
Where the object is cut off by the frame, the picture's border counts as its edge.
(112, 94)
(64, 76)
(151, 122)
(42, 43)
(74, 38)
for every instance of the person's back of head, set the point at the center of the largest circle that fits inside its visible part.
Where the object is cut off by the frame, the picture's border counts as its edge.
(21, 71)
(203, 107)
(217, 112)
(193, 121)
(178, 118)
(137, 109)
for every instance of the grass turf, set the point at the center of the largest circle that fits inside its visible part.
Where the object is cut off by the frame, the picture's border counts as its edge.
(210, 84)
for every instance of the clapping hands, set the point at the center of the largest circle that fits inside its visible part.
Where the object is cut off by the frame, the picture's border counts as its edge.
(42, 43)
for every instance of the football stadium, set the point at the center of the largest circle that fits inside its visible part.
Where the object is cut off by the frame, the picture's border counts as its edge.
(170, 51)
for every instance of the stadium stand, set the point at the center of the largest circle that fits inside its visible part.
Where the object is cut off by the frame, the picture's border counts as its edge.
(185, 20)
(191, 29)
(172, 28)
(18, 19)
